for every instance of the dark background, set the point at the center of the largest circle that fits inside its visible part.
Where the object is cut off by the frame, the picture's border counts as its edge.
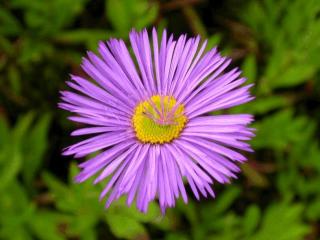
(275, 42)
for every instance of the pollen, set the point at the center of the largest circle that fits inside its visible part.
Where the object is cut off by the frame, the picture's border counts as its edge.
(158, 120)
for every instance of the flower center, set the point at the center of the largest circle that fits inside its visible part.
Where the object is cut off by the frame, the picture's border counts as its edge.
(158, 119)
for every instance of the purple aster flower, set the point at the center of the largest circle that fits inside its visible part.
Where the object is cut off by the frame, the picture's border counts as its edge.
(152, 114)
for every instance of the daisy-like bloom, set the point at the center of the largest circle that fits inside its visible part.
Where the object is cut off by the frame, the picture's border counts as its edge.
(153, 114)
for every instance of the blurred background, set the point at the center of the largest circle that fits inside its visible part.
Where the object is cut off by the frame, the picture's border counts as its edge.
(275, 42)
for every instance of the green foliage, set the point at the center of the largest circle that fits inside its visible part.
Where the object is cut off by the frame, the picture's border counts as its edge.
(282, 221)
(44, 22)
(285, 133)
(276, 43)
(290, 31)
(80, 204)
(22, 148)
(125, 14)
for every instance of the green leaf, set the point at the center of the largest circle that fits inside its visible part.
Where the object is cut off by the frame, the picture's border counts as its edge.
(117, 13)
(45, 225)
(80, 201)
(34, 50)
(14, 79)
(251, 219)
(15, 211)
(125, 15)
(249, 69)
(213, 41)
(294, 76)
(4, 132)
(10, 163)
(255, 178)
(313, 210)
(283, 221)
(90, 37)
(148, 16)
(262, 105)
(126, 227)
(177, 236)
(286, 130)
(9, 25)
(33, 156)
(48, 23)
(57, 188)
(224, 200)
(21, 128)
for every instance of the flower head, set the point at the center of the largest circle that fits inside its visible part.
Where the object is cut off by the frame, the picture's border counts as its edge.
(153, 117)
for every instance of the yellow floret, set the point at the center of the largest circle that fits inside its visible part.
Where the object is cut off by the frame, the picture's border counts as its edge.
(148, 130)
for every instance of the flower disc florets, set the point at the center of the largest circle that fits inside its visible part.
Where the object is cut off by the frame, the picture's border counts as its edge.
(159, 119)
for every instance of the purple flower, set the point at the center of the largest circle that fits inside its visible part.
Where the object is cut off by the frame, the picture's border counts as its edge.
(154, 117)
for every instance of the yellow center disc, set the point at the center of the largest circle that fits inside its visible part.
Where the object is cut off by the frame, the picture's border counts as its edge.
(158, 119)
